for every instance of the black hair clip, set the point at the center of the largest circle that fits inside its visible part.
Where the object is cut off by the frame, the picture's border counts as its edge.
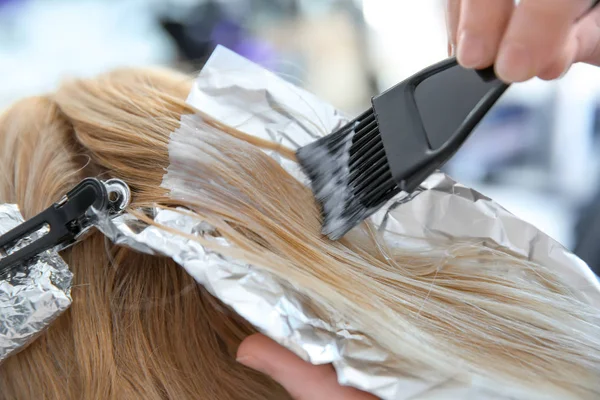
(65, 222)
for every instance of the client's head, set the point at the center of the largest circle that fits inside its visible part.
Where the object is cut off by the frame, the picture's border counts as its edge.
(140, 327)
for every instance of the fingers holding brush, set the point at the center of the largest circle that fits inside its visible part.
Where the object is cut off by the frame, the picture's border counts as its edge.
(533, 38)
(475, 28)
(586, 38)
(537, 38)
(452, 18)
(480, 30)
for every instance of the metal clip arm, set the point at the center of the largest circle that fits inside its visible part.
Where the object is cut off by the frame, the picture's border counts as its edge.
(65, 220)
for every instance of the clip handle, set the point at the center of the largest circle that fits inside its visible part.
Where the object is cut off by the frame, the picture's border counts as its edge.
(62, 218)
(44, 243)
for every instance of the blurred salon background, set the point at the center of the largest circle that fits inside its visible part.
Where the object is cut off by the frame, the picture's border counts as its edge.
(536, 153)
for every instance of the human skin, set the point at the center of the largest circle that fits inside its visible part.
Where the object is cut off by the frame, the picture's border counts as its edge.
(302, 380)
(536, 38)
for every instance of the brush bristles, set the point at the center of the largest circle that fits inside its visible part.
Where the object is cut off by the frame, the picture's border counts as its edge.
(349, 174)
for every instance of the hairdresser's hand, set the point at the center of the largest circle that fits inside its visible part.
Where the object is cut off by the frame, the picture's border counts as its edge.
(302, 380)
(535, 38)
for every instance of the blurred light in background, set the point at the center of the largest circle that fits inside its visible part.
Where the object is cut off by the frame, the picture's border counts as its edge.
(42, 42)
(408, 35)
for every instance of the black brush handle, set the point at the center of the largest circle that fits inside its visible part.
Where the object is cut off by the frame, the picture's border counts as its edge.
(425, 119)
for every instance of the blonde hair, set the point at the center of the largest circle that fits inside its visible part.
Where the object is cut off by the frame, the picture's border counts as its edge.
(139, 326)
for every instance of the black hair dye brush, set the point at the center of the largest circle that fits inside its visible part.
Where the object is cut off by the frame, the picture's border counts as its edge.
(411, 130)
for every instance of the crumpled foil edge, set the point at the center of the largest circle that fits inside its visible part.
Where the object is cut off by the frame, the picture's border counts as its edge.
(238, 93)
(33, 295)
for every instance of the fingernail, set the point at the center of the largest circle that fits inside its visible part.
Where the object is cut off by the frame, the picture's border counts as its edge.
(245, 360)
(250, 362)
(451, 49)
(471, 50)
(564, 72)
(514, 64)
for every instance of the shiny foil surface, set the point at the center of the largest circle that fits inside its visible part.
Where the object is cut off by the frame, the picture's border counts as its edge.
(241, 94)
(32, 295)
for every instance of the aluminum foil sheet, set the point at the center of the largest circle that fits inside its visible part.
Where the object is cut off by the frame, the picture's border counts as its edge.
(33, 295)
(241, 94)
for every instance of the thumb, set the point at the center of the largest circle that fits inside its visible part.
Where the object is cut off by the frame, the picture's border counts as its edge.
(587, 34)
(301, 379)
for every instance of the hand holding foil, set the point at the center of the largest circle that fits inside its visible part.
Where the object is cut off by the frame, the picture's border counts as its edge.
(413, 304)
(301, 379)
(261, 104)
